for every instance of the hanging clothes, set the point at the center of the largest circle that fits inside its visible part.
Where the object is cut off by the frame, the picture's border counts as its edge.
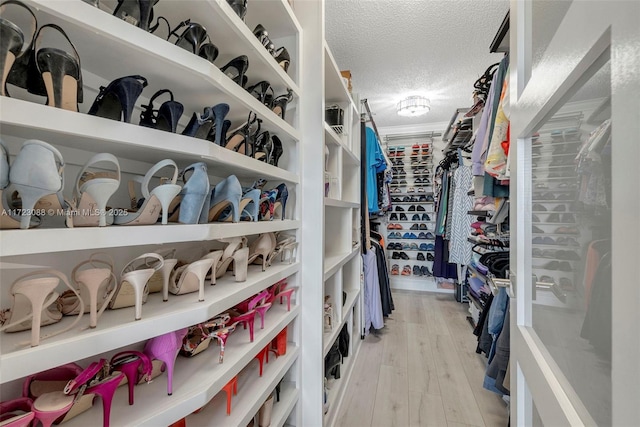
(375, 163)
(460, 247)
(499, 145)
(373, 316)
(386, 299)
(498, 366)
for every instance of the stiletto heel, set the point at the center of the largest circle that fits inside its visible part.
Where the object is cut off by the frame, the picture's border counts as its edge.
(191, 200)
(248, 206)
(136, 12)
(155, 202)
(190, 278)
(277, 150)
(159, 282)
(263, 147)
(231, 388)
(166, 117)
(279, 105)
(37, 172)
(261, 248)
(200, 124)
(246, 319)
(282, 58)
(215, 256)
(263, 92)
(281, 200)
(93, 285)
(241, 264)
(220, 111)
(261, 298)
(132, 289)
(37, 293)
(222, 335)
(240, 136)
(236, 68)
(92, 192)
(227, 192)
(14, 50)
(261, 356)
(117, 100)
(165, 348)
(61, 73)
(233, 244)
(135, 366)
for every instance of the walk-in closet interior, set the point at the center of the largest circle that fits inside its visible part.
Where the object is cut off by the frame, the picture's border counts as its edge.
(319, 213)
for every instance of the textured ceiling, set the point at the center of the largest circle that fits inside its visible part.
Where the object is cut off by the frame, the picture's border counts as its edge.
(398, 48)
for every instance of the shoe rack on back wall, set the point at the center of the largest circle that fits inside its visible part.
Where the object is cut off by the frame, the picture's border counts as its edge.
(231, 236)
(409, 227)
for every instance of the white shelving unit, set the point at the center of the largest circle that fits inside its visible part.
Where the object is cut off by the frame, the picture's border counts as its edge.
(342, 261)
(110, 48)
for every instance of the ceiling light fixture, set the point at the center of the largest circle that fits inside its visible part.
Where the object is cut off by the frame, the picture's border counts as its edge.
(413, 106)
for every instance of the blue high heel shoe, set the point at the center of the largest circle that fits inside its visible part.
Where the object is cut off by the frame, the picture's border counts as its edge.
(249, 206)
(193, 196)
(220, 111)
(200, 124)
(281, 200)
(227, 192)
(117, 100)
(267, 204)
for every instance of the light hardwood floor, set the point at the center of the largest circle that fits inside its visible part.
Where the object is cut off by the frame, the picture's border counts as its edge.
(422, 370)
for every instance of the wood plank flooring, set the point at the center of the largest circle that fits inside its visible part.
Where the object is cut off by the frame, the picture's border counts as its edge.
(422, 370)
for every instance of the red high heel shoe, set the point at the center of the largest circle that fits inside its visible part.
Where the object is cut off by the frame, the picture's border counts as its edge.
(129, 363)
(231, 388)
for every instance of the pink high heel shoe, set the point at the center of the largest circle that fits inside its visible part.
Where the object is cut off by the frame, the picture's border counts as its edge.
(129, 363)
(262, 299)
(245, 319)
(17, 412)
(278, 291)
(165, 349)
(222, 335)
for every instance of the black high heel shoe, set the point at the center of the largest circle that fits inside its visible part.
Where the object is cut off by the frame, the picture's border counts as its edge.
(54, 65)
(261, 33)
(117, 100)
(236, 68)
(263, 92)
(277, 151)
(279, 105)
(200, 124)
(195, 39)
(14, 50)
(239, 7)
(240, 138)
(164, 118)
(282, 58)
(136, 12)
(263, 147)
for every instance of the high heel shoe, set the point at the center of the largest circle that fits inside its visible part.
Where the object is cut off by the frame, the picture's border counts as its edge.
(267, 204)
(165, 348)
(159, 282)
(279, 104)
(280, 291)
(37, 175)
(263, 147)
(264, 414)
(195, 341)
(95, 287)
(277, 150)
(239, 7)
(7, 220)
(219, 131)
(154, 203)
(136, 12)
(227, 192)
(17, 412)
(33, 295)
(135, 366)
(190, 278)
(92, 192)
(249, 204)
(282, 58)
(261, 305)
(61, 72)
(245, 319)
(132, 289)
(200, 124)
(15, 50)
(262, 91)
(166, 117)
(195, 39)
(222, 335)
(280, 204)
(116, 101)
(192, 203)
(236, 69)
(260, 249)
(235, 252)
(240, 137)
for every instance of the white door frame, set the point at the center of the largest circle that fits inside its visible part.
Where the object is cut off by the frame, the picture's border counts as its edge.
(589, 30)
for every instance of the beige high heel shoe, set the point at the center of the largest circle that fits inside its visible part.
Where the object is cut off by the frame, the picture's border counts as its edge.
(32, 298)
(96, 286)
(235, 252)
(189, 278)
(159, 282)
(261, 248)
(133, 289)
(264, 415)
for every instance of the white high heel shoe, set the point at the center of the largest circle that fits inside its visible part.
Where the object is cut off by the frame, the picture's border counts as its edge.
(92, 192)
(32, 298)
(159, 282)
(190, 278)
(96, 286)
(158, 200)
(261, 248)
(133, 289)
(234, 252)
